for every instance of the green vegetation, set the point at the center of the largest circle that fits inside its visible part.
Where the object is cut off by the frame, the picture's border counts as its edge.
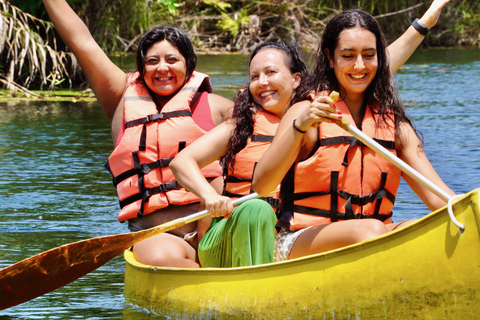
(33, 56)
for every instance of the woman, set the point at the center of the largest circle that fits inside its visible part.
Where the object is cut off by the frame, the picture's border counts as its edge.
(332, 182)
(154, 113)
(276, 73)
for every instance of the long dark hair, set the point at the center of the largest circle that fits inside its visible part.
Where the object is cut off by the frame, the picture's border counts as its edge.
(177, 38)
(245, 106)
(382, 93)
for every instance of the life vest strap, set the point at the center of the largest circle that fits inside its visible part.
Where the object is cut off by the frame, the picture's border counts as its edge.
(305, 195)
(274, 202)
(262, 138)
(364, 200)
(158, 117)
(233, 179)
(339, 215)
(164, 187)
(144, 169)
(352, 141)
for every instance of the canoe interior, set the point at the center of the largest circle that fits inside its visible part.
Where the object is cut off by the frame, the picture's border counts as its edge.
(425, 270)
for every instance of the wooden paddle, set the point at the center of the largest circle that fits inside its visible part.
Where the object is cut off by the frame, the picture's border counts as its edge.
(399, 163)
(57, 267)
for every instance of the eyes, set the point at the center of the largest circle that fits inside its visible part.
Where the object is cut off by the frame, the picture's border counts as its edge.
(367, 55)
(153, 60)
(268, 72)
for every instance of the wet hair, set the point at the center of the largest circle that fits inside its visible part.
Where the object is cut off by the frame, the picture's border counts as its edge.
(382, 92)
(245, 106)
(176, 37)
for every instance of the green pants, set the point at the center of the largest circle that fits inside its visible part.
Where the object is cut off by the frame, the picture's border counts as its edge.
(245, 239)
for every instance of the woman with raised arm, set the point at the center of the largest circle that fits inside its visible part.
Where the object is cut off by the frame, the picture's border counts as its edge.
(334, 190)
(154, 113)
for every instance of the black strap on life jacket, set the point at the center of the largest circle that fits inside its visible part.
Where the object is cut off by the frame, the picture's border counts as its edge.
(141, 169)
(262, 138)
(158, 117)
(352, 141)
(289, 197)
(154, 118)
(147, 193)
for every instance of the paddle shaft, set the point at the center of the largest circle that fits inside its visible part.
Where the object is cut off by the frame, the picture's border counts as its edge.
(52, 269)
(399, 163)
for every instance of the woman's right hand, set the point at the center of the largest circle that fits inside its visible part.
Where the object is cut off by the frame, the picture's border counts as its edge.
(321, 109)
(218, 205)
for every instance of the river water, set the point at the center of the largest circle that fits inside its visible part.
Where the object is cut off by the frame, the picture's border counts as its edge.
(54, 189)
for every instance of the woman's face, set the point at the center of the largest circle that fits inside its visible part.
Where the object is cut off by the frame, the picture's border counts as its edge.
(271, 82)
(165, 68)
(355, 61)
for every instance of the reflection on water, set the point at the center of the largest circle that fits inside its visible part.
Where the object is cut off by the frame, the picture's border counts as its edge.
(54, 189)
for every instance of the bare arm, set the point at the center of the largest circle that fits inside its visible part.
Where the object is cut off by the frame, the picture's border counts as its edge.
(220, 107)
(186, 167)
(289, 144)
(106, 79)
(402, 48)
(411, 151)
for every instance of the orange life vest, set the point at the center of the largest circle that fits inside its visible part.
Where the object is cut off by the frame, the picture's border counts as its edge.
(343, 178)
(238, 182)
(139, 163)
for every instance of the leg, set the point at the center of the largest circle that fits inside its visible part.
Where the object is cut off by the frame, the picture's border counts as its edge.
(247, 238)
(334, 235)
(401, 224)
(166, 250)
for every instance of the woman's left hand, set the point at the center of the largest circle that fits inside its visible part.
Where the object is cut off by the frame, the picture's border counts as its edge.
(430, 18)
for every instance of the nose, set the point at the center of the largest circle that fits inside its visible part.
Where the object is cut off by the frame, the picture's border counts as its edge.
(359, 64)
(262, 80)
(162, 66)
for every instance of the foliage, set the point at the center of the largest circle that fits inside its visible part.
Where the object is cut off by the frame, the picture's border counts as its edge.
(31, 53)
(26, 56)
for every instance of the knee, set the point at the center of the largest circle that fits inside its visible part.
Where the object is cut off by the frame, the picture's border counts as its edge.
(256, 210)
(369, 228)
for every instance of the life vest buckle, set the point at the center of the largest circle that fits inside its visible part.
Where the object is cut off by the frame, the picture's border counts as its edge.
(149, 118)
(145, 168)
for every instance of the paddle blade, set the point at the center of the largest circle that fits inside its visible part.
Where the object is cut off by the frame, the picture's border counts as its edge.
(57, 267)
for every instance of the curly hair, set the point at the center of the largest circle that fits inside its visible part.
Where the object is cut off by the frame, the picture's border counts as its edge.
(382, 92)
(245, 106)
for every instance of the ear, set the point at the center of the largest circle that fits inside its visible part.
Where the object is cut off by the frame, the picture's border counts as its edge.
(297, 79)
(330, 58)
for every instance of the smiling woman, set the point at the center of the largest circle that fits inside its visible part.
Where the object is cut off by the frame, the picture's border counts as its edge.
(154, 112)
(355, 64)
(335, 190)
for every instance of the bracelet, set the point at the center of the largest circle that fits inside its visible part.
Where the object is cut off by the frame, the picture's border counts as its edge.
(421, 29)
(297, 128)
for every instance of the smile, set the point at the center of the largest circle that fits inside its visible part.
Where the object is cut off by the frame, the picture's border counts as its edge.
(267, 93)
(358, 76)
(163, 78)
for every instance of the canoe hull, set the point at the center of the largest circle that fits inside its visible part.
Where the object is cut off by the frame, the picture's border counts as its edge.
(425, 270)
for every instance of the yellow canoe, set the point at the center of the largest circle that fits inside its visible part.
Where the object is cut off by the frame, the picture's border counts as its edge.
(426, 270)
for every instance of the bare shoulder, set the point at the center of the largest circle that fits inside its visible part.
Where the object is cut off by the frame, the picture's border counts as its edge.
(220, 107)
(407, 140)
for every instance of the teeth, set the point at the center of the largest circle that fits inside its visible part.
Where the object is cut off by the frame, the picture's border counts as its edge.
(164, 79)
(357, 76)
(264, 94)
